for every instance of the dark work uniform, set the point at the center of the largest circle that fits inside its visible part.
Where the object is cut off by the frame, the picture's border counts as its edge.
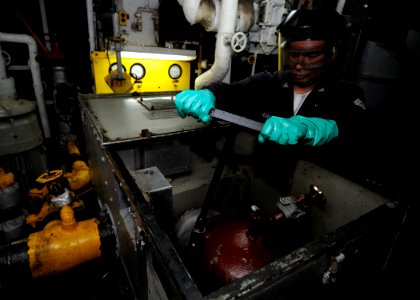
(271, 94)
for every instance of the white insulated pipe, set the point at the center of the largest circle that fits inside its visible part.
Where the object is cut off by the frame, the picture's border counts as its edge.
(223, 22)
(340, 6)
(7, 84)
(220, 69)
(3, 73)
(190, 9)
(36, 74)
(90, 23)
(45, 24)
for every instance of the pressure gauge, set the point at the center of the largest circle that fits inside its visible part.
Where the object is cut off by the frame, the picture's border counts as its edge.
(175, 71)
(137, 71)
(114, 67)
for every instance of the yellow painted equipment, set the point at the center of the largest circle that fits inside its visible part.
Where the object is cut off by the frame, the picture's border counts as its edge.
(44, 179)
(156, 74)
(6, 179)
(80, 175)
(49, 176)
(63, 244)
(72, 148)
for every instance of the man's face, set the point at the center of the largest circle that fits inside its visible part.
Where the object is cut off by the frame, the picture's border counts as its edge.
(307, 61)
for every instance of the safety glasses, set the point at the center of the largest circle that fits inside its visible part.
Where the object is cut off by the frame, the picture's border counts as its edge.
(308, 59)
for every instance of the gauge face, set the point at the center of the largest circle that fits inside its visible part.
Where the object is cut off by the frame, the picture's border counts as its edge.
(137, 71)
(175, 71)
(114, 66)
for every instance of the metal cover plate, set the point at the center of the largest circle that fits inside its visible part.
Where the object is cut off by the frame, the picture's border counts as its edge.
(124, 119)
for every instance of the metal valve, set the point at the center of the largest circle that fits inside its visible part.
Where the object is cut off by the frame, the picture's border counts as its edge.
(238, 42)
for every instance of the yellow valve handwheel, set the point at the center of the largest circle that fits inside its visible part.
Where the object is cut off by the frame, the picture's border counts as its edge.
(49, 176)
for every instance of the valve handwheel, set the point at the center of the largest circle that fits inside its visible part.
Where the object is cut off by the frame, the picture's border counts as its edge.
(49, 176)
(238, 42)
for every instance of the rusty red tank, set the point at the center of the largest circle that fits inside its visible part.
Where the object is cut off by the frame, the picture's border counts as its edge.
(231, 252)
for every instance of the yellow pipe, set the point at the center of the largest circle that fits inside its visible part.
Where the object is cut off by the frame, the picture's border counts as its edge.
(32, 219)
(63, 244)
(72, 148)
(46, 209)
(80, 175)
(6, 179)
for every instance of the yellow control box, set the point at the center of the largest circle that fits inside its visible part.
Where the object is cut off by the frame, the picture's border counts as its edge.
(145, 75)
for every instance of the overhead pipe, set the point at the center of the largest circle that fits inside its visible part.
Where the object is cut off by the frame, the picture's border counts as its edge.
(90, 23)
(203, 12)
(91, 20)
(340, 6)
(220, 16)
(190, 8)
(35, 71)
(45, 25)
(220, 69)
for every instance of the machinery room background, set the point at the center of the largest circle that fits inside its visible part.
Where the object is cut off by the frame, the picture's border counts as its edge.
(62, 60)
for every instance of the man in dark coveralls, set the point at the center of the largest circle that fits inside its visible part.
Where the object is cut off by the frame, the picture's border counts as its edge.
(308, 109)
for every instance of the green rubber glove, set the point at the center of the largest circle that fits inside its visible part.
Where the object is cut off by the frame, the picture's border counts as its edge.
(319, 131)
(197, 104)
(288, 131)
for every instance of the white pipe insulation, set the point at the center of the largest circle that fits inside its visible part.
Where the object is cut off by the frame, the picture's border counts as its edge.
(36, 74)
(220, 69)
(3, 73)
(203, 12)
(90, 23)
(340, 6)
(190, 8)
(7, 84)
(214, 15)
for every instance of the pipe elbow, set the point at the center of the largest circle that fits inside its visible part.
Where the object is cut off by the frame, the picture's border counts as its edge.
(190, 9)
(208, 14)
(246, 17)
(217, 72)
(80, 175)
(203, 12)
